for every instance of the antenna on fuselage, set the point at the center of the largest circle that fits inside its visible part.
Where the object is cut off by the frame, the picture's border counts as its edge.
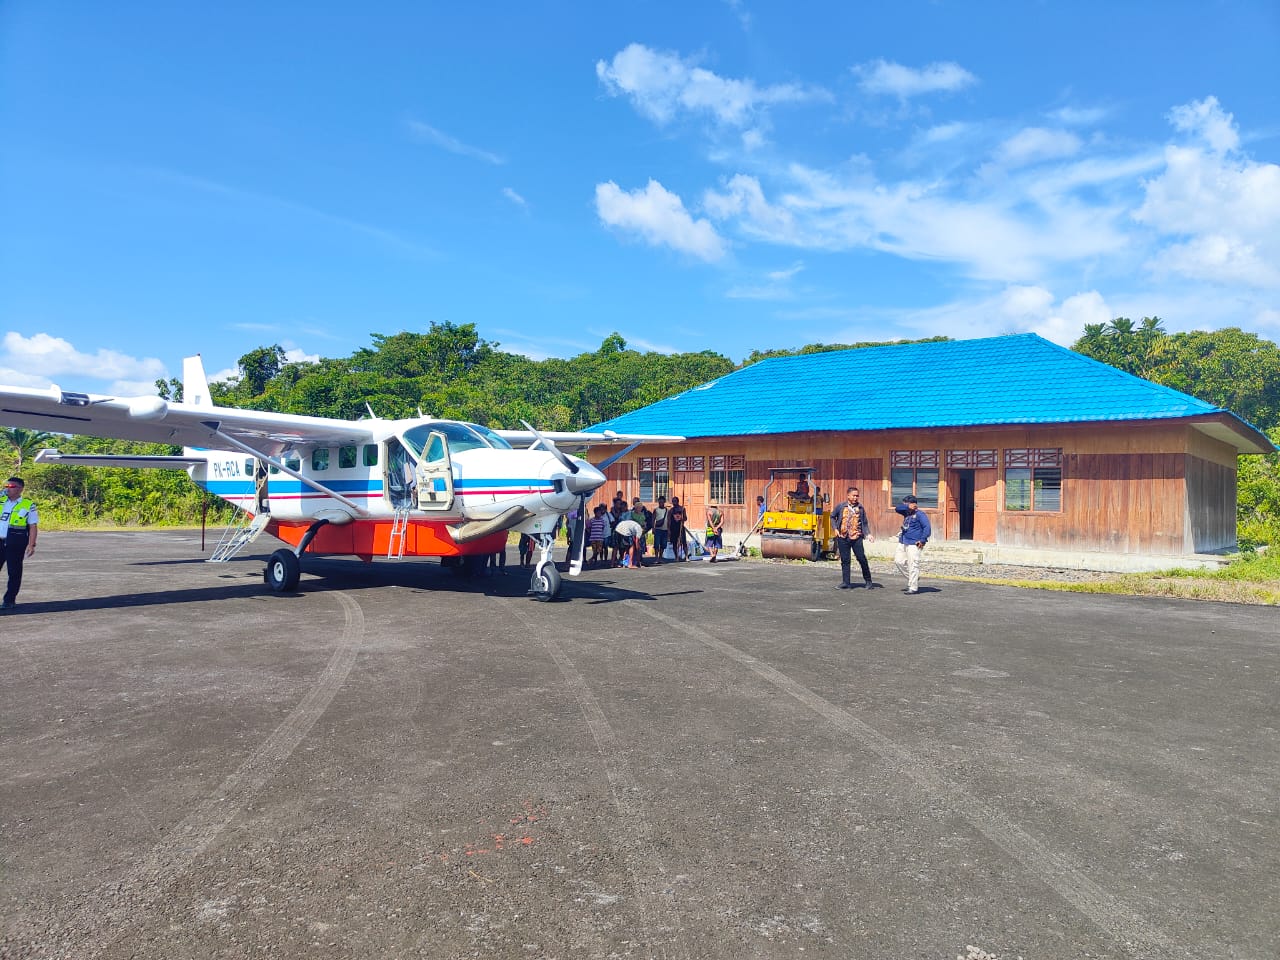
(372, 415)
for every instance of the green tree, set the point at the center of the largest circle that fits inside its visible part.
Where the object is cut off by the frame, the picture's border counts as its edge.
(258, 366)
(24, 443)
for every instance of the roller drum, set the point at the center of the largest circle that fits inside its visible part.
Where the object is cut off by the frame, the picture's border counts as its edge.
(786, 546)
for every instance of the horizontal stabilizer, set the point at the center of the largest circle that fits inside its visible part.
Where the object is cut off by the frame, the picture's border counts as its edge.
(475, 529)
(122, 460)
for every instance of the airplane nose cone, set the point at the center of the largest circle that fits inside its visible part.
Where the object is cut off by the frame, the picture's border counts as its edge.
(586, 480)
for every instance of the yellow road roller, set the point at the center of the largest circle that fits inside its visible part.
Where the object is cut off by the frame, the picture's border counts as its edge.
(796, 524)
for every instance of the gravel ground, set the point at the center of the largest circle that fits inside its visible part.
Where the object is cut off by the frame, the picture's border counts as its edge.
(984, 571)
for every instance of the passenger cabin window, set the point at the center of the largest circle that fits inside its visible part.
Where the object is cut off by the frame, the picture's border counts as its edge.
(370, 454)
(320, 459)
(248, 468)
(346, 458)
(293, 463)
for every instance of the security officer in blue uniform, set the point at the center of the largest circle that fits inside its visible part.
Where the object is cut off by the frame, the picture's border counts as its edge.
(19, 520)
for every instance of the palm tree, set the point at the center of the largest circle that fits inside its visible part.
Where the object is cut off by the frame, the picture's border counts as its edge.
(25, 443)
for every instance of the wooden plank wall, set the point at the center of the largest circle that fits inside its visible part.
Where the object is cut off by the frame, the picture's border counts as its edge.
(1141, 488)
(1211, 496)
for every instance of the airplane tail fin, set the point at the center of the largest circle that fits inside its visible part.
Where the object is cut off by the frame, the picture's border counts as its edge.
(195, 393)
(195, 385)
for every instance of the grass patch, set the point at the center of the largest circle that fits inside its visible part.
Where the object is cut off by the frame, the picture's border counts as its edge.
(1252, 578)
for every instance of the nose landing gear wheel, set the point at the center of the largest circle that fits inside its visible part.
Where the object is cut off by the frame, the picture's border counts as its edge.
(545, 583)
(283, 571)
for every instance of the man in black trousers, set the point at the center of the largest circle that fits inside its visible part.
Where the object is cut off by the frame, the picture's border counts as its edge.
(849, 521)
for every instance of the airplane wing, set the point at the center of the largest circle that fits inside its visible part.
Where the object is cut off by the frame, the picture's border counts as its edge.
(156, 420)
(583, 438)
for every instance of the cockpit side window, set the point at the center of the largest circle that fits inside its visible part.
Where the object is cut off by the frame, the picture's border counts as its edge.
(461, 436)
(435, 450)
(495, 441)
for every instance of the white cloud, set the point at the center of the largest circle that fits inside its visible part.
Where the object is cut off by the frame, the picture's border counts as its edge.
(1078, 116)
(993, 237)
(662, 86)
(1216, 211)
(744, 198)
(298, 355)
(787, 274)
(893, 79)
(44, 358)
(1207, 120)
(229, 375)
(1034, 144)
(1019, 308)
(429, 134)
(944, 132)
(515, 198)
(660, 217)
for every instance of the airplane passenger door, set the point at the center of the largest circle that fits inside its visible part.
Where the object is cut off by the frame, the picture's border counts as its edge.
(435, 475)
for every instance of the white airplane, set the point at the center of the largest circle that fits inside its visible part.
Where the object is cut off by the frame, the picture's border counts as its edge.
(418, 487)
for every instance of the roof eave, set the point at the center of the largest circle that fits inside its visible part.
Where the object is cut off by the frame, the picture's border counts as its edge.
(1230, 429)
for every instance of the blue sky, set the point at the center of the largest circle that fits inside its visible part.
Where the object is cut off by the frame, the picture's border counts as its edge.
(719, 175)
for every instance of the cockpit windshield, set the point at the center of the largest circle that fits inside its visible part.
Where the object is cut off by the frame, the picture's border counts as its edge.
(461, 436)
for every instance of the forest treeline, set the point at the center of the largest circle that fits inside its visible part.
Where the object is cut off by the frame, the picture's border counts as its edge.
(452, 372)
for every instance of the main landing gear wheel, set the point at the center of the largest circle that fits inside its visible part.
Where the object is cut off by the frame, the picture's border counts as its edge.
(283, 571)
(545, 583)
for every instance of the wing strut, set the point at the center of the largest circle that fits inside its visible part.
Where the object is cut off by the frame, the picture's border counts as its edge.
(216, 428)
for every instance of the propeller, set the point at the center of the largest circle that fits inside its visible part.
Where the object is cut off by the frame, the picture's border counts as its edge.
(578, 538)
(569, 463)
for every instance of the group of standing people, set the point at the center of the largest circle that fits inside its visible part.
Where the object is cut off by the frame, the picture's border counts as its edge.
(619, 534)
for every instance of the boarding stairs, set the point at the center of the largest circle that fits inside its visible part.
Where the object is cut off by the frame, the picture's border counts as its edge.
(399, 527)
(239, 534)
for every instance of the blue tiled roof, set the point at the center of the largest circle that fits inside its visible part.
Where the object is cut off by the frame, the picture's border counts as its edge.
(1001, 380)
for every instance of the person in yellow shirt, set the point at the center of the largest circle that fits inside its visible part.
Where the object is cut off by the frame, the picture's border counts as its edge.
(19, 521)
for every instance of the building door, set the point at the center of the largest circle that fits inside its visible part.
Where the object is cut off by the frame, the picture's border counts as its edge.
(984, 505)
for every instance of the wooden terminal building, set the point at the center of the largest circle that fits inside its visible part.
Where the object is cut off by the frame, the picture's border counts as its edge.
(1009, 441)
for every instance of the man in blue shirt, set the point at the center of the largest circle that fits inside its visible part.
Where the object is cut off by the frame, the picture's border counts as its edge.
(915, 533)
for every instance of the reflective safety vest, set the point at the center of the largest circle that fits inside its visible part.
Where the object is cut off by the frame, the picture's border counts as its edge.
(14, 512)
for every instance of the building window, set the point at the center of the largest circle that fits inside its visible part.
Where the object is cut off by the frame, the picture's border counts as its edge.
(1033, 480)
(690, 464)
(655, 478)
(728, 480)
(915, 473)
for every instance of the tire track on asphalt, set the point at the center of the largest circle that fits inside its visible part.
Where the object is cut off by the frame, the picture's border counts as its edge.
(657, 912)
(1060, 872)
(119, 905)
